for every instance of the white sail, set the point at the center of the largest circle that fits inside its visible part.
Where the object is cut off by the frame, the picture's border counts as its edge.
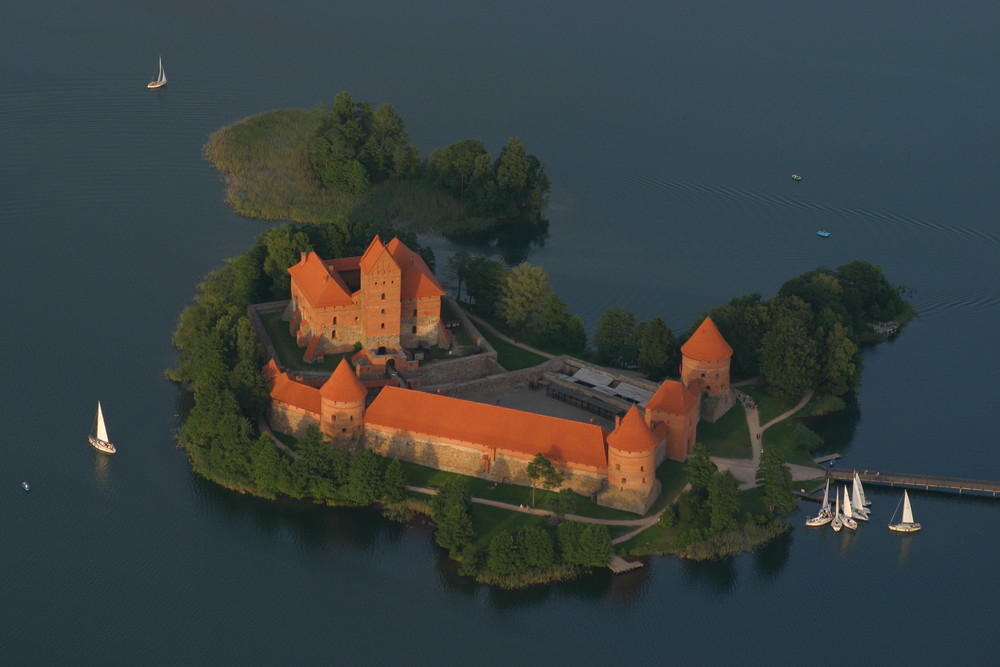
(907, 511)
(102, 430)
(163, 75)
(847, 505)
(861, 491)
(826, 496)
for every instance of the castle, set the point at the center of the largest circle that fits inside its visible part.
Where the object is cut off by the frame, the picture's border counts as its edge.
(387, 297)
(617, 467)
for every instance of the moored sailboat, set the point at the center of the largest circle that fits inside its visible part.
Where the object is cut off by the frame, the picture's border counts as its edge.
(825, 516)
(161, 78)
(861, 491)
(99, 437)
(848, 517)
(838, 519)
(907, 525)
(858, 510)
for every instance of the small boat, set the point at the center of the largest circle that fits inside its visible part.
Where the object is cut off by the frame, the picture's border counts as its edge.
(858, 508)
(99, 436)
(161, 78)
(848, 518)
(825, 516)
(25, 486)
(907, 525)
(861, 491)
(796, 177)
(825, 235)
(838, 519)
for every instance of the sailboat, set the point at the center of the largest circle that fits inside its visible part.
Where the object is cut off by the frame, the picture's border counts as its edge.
(825, 515)
(99, 439)
(858, 509)
(861, 491)
(848, 517)
(160, 80)
(838, 519)
(907, 525)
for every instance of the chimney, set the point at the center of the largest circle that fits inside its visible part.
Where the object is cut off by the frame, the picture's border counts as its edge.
(618, 421)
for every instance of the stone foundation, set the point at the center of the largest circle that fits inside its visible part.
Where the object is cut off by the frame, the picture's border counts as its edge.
(630, 500)
(715, 405)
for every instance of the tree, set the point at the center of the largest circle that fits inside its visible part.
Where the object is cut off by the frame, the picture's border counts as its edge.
(842, 365)
(394, 482)
(587, 544)
(364, 484)
(525, 297)
(615, 338)
(788, 358)
(563, 503)
(451, 516)
(543, 470)
(699, 468)
(283, 247)
(456, 167)
(486, 281)
(658, 353)
(776, 480)
(743, 322)
(537, 548)
(459, 267)
(723, 500)
(504, 558)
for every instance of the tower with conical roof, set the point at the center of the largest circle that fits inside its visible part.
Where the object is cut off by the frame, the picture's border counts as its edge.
(705, 357)
(342, 403)
(632, 451)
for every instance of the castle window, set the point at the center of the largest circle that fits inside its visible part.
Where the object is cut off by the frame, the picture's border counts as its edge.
(333, 334)
(334, 319)
(414, 330)
(643, 480)
(624, 480)
(642, 469)
(383, 311)
(343, 430)
(383, 298)
(618, 466)
(414, 312)
(382, 326)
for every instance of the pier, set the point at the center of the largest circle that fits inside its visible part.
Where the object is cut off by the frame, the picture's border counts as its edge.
(915, 481)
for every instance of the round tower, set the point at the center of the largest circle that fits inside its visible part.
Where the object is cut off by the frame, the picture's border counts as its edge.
(705, 358)
(632, 453)
(342, 403)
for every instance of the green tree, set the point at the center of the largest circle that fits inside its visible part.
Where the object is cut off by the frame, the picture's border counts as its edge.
(615, 338)
(658, 352)
(842, 365)
(525, 297)
(743, 323)
(776, 480)
(450, 506)
(505, 557)
(394, 482)
(788, 358)
(364, 484)
(456, 167)
(459, 267)
(536, 547)
(265, 464)
(283, 248)
(723, 500)
(486, 281)
(543, 470)
(699, 468)
(563, 503)
(587, 544)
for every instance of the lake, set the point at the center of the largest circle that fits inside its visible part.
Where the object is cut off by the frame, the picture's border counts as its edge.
(670, 132)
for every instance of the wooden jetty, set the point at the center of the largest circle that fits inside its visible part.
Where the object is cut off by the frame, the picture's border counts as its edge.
(824, 459)
(619, 565)
(910, 480)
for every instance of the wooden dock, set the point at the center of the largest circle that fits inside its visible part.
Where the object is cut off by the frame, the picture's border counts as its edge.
(619, 565)
(915, 481)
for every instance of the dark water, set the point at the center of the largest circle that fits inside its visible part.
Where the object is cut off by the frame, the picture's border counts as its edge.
(670, 132)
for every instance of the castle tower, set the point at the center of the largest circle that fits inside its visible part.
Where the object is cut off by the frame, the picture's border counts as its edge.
(672, 414)
(342, 403)
(632, 454)
(381, 285)
(705, 357)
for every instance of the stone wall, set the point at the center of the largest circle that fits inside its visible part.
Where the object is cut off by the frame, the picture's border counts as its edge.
(714, 406)
(289, 419)
(630, 500)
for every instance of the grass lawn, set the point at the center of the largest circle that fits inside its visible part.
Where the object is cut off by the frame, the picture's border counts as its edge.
(512, 357)
(290, 353)
(768, 407)
(729, 437)
(791, 440)
(418, 475)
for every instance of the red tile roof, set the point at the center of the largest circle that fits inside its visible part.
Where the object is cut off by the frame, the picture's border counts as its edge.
(560, 440)
(707, 344)
(300, 395)
(343, 386)
(322, 287)
(418, 281)
(673, 397)
(632, 434)
(371, 254)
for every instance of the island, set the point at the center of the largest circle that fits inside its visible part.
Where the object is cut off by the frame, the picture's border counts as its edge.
(329, 364)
